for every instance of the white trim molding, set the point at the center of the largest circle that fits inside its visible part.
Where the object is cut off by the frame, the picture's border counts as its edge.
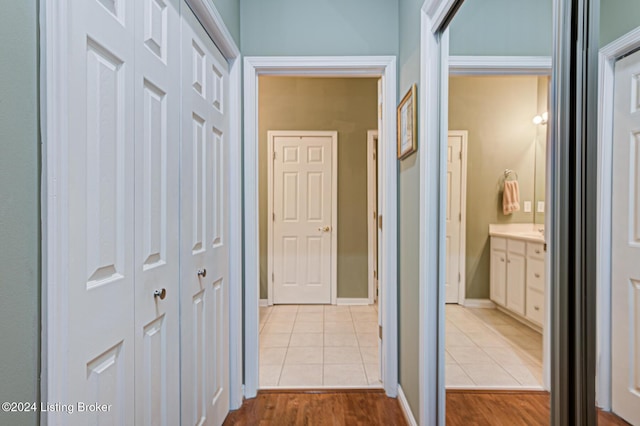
(479, 303)
(271, 134)
(500, 65)
(359, 66)
(353, 301)
(372, 215)
(608, 56)
(406, 409)
(263, 303)
(54, 89)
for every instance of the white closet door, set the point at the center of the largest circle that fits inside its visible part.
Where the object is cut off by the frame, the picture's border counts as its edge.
(205, 228)
(100, 197)
(157, 162)
(625, 280)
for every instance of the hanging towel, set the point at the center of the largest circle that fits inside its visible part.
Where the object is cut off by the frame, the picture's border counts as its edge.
(510, 197)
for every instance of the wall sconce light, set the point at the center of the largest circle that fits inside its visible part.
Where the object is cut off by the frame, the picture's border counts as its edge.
(541, 119)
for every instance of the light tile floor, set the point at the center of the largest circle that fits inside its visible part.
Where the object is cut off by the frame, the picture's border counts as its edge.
(486, 348)
(319, 346)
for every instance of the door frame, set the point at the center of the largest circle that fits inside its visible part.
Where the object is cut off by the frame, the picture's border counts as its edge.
(462, 267)
(320, 66)
(54, 104)
(372, 219)
(334, 205)
(608, 56)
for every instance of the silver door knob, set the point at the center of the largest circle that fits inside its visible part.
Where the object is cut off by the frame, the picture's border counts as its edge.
(202, 272)
(324, 228)
(160, 293)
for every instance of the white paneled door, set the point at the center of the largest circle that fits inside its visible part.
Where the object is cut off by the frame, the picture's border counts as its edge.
(156, 288)
(141, 223)
(100, 186)
(205, 228)
(303, 202)
(625, 279)
(454, 215)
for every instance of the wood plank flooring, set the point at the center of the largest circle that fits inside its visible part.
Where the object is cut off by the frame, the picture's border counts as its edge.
(372, 407)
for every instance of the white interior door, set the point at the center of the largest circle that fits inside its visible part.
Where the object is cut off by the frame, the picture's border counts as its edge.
(100, 197)
(302, 217)
(454, 216)
(157, 136)
(205, 227)
(625, 280)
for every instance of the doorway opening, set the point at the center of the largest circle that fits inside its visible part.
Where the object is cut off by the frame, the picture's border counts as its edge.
(495, 259)
(318, 323)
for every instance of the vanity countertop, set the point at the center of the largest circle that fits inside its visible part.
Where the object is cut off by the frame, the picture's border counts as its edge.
(522, 231)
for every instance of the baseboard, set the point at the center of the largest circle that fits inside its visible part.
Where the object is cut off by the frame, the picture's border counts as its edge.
(406, 410)
(479, 303)
(264, 302)
(354, 301)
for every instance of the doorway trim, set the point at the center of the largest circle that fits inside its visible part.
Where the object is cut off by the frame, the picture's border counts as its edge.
(54, 57)
(372, 228)
(608, 56)
(334, 205)
(319, 66)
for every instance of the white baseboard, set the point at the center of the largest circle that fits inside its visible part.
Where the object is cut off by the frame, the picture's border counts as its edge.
(479, 303)
(355, 301)
(406, 410)
(264, 302)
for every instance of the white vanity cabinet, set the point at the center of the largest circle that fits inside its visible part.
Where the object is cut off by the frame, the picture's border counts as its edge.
(517, 277)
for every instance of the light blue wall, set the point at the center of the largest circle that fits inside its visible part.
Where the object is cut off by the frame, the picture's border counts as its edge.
(617, 17)
(409, 196)
(230, 12)
(19, 209)
(503, 28)
(311, 27)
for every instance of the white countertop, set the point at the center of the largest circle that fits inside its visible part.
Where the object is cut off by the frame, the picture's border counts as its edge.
(520, 231)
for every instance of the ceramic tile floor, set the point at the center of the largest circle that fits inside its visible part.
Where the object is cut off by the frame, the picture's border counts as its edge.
(486, 348)
(319, 346)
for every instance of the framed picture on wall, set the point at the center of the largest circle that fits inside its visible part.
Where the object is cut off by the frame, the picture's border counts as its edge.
(407, 126)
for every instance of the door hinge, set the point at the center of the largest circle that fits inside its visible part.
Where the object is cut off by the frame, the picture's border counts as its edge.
(375, 274)
(274, 217)
(459, 277)
(273, 277)
(380, 221)
(274, 155)
(380, 332)
(461, 155)
(459, 217)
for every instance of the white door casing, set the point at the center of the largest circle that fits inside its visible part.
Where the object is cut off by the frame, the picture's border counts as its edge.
(372, 214)
(205, 226)
(625, 249)
(100, 196)
(454, 217)
(157, 226)
(303, 201)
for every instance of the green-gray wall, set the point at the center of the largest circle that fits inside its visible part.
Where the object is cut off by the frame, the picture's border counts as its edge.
(311, 27)
(347, 105)
(408, 216)
(503, 28)
(19, 209)
(497, 113)
(617, 17)
(230, 12)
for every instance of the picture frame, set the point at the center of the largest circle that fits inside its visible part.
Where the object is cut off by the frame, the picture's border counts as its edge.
(407, 134)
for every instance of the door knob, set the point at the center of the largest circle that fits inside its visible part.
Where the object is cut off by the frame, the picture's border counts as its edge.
(324, 228)
(160, 293)
(202, 272)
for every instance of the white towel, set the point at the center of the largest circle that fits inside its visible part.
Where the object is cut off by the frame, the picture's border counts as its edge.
(511, 197)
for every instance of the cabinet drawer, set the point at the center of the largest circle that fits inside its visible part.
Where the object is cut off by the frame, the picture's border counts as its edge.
(535, 306)
(498, 243)
(535, 250)
(517, 246)
(535, 274)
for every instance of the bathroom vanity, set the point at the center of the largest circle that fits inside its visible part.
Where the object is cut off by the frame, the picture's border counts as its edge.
(517, 280)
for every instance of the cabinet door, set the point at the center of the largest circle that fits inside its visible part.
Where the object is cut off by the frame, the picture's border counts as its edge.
(498, 276)
(516, 282)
